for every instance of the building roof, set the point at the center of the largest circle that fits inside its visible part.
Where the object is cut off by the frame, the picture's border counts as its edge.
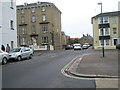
(37, 4)
(115, 13)
(86, 36)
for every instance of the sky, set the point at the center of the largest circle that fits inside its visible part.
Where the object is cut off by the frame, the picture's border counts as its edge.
(76, 14)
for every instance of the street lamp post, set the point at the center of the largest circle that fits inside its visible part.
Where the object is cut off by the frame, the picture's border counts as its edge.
(102, 30)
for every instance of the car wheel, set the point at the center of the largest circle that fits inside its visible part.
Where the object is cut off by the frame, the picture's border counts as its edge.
(19, 58)
(4, 61)
(30, 57)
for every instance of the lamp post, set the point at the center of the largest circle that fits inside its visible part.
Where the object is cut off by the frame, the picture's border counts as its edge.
(102, 30)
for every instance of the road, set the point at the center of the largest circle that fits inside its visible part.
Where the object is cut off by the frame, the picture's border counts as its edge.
(43, 71)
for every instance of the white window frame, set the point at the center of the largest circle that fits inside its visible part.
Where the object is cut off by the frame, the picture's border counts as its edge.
(106, 43)
(103, 18)
(104, 32)
(100, 42)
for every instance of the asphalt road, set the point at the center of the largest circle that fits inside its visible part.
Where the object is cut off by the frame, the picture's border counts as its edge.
(43, 71)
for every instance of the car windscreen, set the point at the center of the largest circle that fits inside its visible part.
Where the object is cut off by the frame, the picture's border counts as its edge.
(16, 50)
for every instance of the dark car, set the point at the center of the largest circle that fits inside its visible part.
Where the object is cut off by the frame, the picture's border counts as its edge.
(118, 46)
(67, 47)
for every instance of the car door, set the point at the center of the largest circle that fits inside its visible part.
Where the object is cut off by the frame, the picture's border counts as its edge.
(23, 53)
(27, 52)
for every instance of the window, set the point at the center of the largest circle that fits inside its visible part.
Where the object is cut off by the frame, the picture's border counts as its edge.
(22, 11)
(33, 10)
(103, 20)
(107, 31)
(114, 30)
(22, 19)
(107, 42)
(114, 20)
(104, 31)
(101, 32)
(23, 40)
(101, 42)
(33, 29)
(100, 20)
(44, 28)
(12, 44)
(33, 18)
(11, 4)
(43, 17)
(11, 24)
(43, 9)
(23, 30)
(44, 40)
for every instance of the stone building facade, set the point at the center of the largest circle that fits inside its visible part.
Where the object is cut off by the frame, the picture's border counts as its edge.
(86, 39)
(39, 24)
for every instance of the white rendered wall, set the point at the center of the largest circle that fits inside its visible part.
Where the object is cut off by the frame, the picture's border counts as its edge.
(6, 34)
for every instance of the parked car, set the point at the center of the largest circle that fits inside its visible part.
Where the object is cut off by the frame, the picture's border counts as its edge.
(85, 46)
(77, 47)
(4, 57)
(21, 53)
(118, 46)
(67, 47)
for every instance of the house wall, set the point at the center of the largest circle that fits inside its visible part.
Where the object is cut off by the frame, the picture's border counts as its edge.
(96, 43)
(8, 35)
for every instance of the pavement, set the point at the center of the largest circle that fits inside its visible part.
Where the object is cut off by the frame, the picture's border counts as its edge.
(103, 69)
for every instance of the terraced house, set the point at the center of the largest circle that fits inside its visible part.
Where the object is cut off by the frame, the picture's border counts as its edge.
(106, 27)
(39, 24)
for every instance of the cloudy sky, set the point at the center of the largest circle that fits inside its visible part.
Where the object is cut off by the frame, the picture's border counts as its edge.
(76, 14)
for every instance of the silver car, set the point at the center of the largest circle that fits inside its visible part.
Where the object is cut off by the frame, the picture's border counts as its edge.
(21, 53)
(4, 57)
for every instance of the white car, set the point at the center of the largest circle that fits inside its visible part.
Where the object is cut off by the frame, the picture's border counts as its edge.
(77, 47)
(4, 57)
(21, 53)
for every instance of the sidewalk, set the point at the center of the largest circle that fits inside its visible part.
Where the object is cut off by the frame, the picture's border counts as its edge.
(95, 64)
(104, 70)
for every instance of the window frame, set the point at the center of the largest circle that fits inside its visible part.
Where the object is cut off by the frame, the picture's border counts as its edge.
(33, 19)
(44, 40)
(113, 31)
(33, 9)
(12, 24)
(44, 17)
